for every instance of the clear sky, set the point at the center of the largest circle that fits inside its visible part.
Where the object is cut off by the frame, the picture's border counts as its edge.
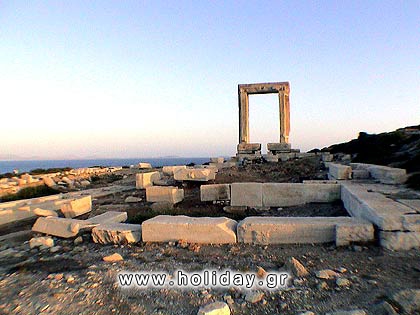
(157, 78)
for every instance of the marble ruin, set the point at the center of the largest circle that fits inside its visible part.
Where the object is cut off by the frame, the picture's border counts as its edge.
(249, 150)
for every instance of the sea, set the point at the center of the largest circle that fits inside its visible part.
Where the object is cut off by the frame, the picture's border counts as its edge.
(28, 165)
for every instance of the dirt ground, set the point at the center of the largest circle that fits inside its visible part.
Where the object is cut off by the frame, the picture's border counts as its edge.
(74, 279)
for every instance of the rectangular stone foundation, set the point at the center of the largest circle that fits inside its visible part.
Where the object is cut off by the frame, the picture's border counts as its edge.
(165, 228)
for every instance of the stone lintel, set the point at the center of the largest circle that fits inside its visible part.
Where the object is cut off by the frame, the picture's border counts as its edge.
(264, 88)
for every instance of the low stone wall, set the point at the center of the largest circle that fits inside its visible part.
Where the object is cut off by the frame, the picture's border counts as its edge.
(294, 230)
(282, 194)
(165, 228)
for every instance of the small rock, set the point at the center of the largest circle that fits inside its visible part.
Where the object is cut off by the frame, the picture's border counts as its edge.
(228, 299)
(342, 270)
(296, 267)
(343, 282)
(85, 183)
(183, 244)
(326, 274)
(78, 240)
(113, 258)
(44, 241)
(254, 296)
(235, 209)
(55, 249)
(69, 279)
(261, 273)
(283, 306)
(353, 312)
(307, 313)
(357, 248)
(216, 308)
(58, 276)
(131, 199)
(323, 285)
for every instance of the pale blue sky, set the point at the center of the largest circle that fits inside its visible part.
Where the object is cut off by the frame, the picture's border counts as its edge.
(155, 78)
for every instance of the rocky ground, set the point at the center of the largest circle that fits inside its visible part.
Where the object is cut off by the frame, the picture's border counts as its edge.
(72, 277)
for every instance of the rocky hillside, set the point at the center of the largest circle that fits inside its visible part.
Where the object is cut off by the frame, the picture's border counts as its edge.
(399, 148)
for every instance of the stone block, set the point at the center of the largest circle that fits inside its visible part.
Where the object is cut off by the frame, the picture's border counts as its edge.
(289, 230)
(215, 192)
(43, 241)
(142, 165)
(77, 207)
(411, 222)
(327, 157)
(168, 181)
(322, 192)
(170, 170)
(384, 174)
(10, 216)
(271, 158)
(190, 174)
(108, 217)
(116, 233)
(248, 147)
(292, 194)
(339, 171)
(283, 194)
(374, 207)
(48, 181)
(399, 240)
(61, 227)
(246, 194)
(360, 174)
(388, 175)
(164, 194)
(412, 203)
(44, 212)
(279, 147)
(165, 228)
(354, 232)
(248, 156)
(144, 180)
